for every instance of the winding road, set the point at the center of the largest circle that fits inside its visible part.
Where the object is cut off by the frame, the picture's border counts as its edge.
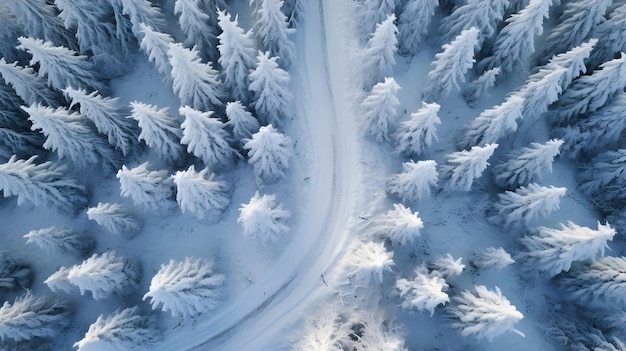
(257, 320)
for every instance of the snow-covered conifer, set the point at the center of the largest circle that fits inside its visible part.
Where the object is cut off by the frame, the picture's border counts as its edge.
(122, 330)
(539, 94)
(484, 313)
(159, 130)
(67, 133)
(485, 15)
(105, 275)
(14, 273)
(27, 85)
(478, 87)
(41, 184)
(415, 182)
(525, 204)
(241, 121)
(39, 19)
(62, 240)
(554, 250)
(62, 67)
(369, 13)
(603, 180)
(367, 262)
(263, 218)
(450, 65)
(272, 30)
(589, 93)
(463, 167)
(269, 151)
(413, 24)
(494, 123)
(58, 281)
(150, 190)
(156, 44)
(424, 292)
(115, 219)
(140, 12)
(516, 41)
(196, 25)
(205, 137)
(31, 316)
(196, 83)
(599, 283)
(185, 288)
(573, 60)
(237, 57)
(400, 225)
(378, 55)
(576, 23)
(612, 35)
(106, 115)
(379, 333)
(526, 165)
(270, 85)
(204, 195)
(447, 266)
(324, 331)
(418, 132)
(491, 257)
(380, 109)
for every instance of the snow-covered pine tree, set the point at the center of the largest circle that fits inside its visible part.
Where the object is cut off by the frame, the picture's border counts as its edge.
(237, 57)
(270, 86)
(369, 13)
(494, 123)
(185, 288)
(269, 151)
(204, 195)
(14, 273)
(484, 313)
(241, 121)
(39, 19)
(150, 190)
(272, 30)
(490, 258)
(516, 41)
(324, 331)
(450, 65)
(367, 262)
(413, 24)
(140, 12)
(573, 60)
(263, 219)
(123, 329)
(553, 251)
(418, 132)
(589, 93)
(378, 333)
(206, 137)
(602, 179)
(575, 24)
(64, 240)
(378, 55)
(447, 266)
(463, 167)
(156, 44)
(478, 87)
(58, 281)
(380, 110)
(106, 115)
(485, 15)
(599, 283)
(525, 204)
(526, 165)
(27, 85)
(30, 317)
(415, 182)
(159, 130)
(400, 225)
(196, 83)
(115, 219)
(105, 275)
(41, 184)
(294, 10)
(196, 25)
(424, 292)
(70, 137)
(612, 35)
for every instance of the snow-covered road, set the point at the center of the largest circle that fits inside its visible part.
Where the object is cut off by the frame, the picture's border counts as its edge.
(256, 320)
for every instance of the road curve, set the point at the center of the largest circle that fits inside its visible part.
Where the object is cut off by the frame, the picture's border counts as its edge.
(257, 319)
